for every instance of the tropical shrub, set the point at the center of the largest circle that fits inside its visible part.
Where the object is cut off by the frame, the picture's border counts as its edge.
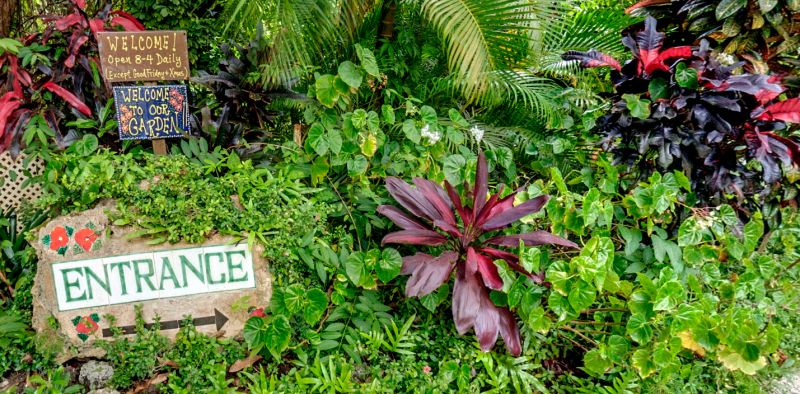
(466, 248)
(61, 60)
(683, 108)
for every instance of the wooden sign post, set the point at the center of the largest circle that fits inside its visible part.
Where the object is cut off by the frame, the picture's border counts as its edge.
(147, 56)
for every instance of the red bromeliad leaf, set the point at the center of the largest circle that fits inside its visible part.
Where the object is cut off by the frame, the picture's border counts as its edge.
(466, 300)
(787, 111)
(410, 263)
(592, 58)
(138, 26)
(531, 239)
(487, 269)
(429, 275)
(400, 218)
(66, 22)
(431, 192)
(487, 324)
(509, 331)
(649, 42)
(481, 184)
(512, 215)
(414, 237)
(68, 97)
(411, 199)
(683, 52)
(646, 3)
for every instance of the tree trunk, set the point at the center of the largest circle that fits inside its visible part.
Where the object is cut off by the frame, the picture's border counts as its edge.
(7, 10)
(386, 30)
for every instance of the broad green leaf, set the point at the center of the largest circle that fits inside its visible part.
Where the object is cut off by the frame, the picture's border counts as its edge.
(685, 76)
(373, 121)
(643, 363)
(595, 363)
(658, 88)
(317, 140)
(595, 260)
(685, 318)
(640, 108)
(617, 348)
(389, 265)
(428, 115)
(453, 168)
(538, 321)
(633, 238)
(319, 170)
(411, 131)
(350, 74)
(388, 114)
(273, 335)
(369, 145)
(669, 295)
(639, 329)
(354, 267)
(294, 298)
(456, 118)
(753, 231)
(317, 304)
(726, 8)
(434, 299)
(326, 91)
(368, 61)
(558, 277)
(664, 248)
(735, 361)
(357, 165)
(359, 118)
(581, 296)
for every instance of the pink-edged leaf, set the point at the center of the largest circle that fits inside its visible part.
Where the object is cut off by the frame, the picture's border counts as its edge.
(130, 17)
(414, 237)
(454, 197)
(448, 228)
(65, 22)
(400, 218)
(68, 97)
(126, 23)
(8, 104)
(531, 239)
(491, 278)
(592, 59)
(646, 3)
(433, 193)
(649, 42)
(510, 258)
(509, 331)
(487, 324)
(410, 263)
(411, 199)
(429, 275)
(786, 110)
(682, 52)
(467, 291)
(512, 215)
(97, 25)
(481, 184)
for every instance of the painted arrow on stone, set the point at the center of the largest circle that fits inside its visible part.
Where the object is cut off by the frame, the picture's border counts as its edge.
(219, 319)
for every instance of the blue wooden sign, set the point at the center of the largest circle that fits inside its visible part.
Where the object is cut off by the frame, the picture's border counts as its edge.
(152, 112)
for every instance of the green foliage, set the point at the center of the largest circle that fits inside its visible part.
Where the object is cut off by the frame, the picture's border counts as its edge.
(57, 382)
(134, 358)
(199, 362)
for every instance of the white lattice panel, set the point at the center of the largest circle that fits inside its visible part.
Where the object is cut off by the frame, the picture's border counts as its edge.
(12, 176)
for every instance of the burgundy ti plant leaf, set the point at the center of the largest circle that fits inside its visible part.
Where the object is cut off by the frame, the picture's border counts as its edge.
(436, 216)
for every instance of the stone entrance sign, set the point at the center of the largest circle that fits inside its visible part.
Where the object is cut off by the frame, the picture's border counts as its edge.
(90, 275)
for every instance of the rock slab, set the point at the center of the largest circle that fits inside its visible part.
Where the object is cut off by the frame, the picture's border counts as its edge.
(91, 277)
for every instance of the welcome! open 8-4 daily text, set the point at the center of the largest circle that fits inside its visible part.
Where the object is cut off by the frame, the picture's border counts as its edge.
(153, 275)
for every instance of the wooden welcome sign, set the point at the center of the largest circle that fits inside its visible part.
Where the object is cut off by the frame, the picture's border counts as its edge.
(143, 56)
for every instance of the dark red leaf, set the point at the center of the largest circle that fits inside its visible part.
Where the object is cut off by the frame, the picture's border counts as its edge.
(683, 52)
(767, 94)
(97, 25)
(68, 97)
(447, 227)
(414, 237)
(433, 193)
(481, 184)
(410, 263)
(400, 218)
(509, 331)
(592, 58)
(487, 269)
(129, 17)
(429, 275)
(80, 3)
(129, 24)
(512, 215)
(510, 258)
(411, 199)
(503, 205)
(488, 207)
(487, 324)
(78, 39)
(8, 104)
(466, 301)
(786, 110)
(646, 3)
(531, 239)
(463, 212)
(649, 42)
(65, 22)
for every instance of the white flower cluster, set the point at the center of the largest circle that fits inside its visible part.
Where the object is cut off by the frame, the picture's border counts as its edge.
(726, 59)
(432, 136)
(477, 133)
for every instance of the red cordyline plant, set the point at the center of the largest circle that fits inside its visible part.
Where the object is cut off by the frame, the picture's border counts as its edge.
(468, 248)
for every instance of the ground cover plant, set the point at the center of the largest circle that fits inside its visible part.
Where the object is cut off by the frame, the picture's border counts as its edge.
(358, 144)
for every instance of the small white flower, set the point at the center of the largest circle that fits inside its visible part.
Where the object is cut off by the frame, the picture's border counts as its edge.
(477, 133)
(726, 59)
(432, 136)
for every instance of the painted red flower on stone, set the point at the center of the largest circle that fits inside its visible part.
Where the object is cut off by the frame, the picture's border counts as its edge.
(85, 238)
(86, 326)
(58, 238)
(258, 312)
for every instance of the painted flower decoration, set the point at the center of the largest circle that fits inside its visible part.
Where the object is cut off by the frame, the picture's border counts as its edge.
(58, 239)
(85, 238)
(86, 325)
(257, 312)
(468, 248)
